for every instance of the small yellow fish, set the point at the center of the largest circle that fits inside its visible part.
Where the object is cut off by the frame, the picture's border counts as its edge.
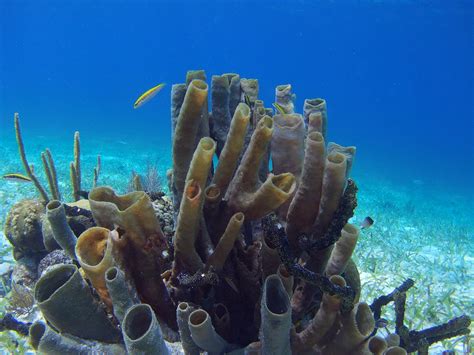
(247, 100)
(17, 177)
(279, 108)
(148, 95)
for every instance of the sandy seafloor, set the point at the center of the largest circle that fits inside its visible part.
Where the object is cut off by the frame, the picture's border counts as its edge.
(420, 232)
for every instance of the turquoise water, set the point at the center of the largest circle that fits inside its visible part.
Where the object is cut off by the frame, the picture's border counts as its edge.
(397, 76)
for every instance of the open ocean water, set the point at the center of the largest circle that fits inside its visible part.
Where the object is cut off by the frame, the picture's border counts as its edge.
(398, 77)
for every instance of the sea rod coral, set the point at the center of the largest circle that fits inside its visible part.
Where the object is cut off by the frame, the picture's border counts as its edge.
(260, 258)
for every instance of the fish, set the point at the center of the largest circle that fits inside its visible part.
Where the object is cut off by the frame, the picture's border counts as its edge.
(366, 223)
(17, 177)
(148, 95)
(247, 100)
(83, 194)
(279, 108)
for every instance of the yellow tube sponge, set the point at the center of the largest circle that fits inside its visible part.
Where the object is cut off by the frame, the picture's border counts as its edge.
(334, 180)
(132, 212)
(377, 345)
(305, 205)
(342, 251)
(315, 123)
(356, 327)
(185, 255)
(226, 242)
(316, 106)
(186, 130)
(233, 146)
(246, 194)
(321, 324)
(287, 147)
(94, 253)
(141, 244)
(201, 162)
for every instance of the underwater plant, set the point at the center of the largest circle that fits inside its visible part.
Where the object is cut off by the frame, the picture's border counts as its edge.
(50, 169)
(260, 261)
(150, 182)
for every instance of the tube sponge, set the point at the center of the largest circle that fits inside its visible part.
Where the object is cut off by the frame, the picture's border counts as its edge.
(315, 123)
(186, 131)
(342, 251)
(226, 242)
(287, 147)
(182, 314)
(62, 233)
(304, 206)
(235, 92)
(204, 334)
(349, 152)
(250, 88)
(47, 341)
(312, 106)
(395, 350)
(377, 345)
(123, 295)
(221, 319)
(178, 91)
(221, 115)
(333, 184)
(132, 212)
(141, 241)
(234, 143)
(83, 317)
(284, 98)
(142, 333)
(201, 162)
(276, 317)
(322, 323)
(94, 253)
(185, 254)
(357, 325)
(246, 194)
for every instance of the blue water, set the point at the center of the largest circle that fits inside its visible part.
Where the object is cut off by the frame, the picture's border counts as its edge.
(397, 75)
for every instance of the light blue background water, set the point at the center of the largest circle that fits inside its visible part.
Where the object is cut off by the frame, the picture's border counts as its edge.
(397, 75)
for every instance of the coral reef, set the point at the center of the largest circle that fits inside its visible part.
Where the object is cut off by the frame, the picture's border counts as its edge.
(248, 257)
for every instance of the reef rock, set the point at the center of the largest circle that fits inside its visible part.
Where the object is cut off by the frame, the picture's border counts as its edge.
(23, 228)
(54, 258)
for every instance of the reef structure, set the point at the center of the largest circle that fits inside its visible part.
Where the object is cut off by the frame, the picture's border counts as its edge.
(260, 258)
